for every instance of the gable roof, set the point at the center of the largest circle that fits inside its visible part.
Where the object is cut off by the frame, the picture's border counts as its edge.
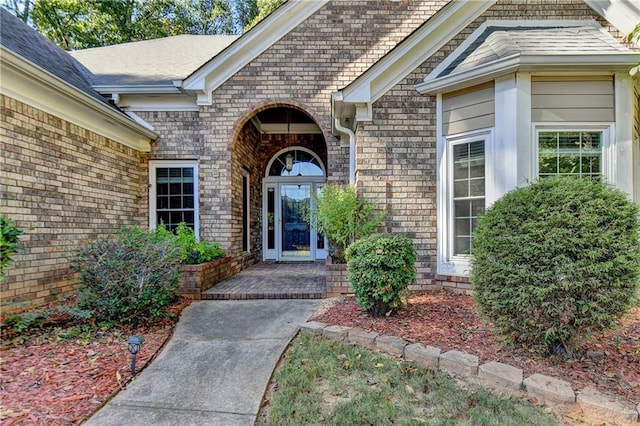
(38, 73)
(155, 62)
(502, 47)
(500, 42)
(356, 99)
(251, 44)
(21, 39)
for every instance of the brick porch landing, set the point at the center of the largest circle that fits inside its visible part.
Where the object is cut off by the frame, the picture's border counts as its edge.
(270, 280)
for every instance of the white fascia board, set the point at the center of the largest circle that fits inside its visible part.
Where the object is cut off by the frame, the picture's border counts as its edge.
(557, 62)
(472, 77)
(622, 14)
(160, 89)
(135, 117)
(169, 102)
(414, 50)
(24, 81)
(242, 51)
(613, 60)
(508, 24)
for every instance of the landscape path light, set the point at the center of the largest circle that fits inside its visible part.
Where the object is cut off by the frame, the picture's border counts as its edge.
(134, 343)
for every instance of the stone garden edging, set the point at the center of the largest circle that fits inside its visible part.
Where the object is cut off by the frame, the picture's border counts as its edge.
(595, 405)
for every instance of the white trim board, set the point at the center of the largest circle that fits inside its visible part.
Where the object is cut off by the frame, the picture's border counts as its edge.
(245, 49)
(30, 84)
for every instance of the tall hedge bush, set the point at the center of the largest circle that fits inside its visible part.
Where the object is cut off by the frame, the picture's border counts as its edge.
(128, 277)
(556, 261)
(381, 267)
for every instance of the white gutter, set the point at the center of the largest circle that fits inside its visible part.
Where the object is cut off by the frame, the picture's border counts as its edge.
(352, 149)
(137, 89)
(562, 62)
(28, 83)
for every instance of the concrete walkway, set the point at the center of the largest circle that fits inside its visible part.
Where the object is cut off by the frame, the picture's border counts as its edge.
(215, 368)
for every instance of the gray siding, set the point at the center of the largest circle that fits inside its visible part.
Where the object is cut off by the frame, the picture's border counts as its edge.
(468, 110)
(572, 100)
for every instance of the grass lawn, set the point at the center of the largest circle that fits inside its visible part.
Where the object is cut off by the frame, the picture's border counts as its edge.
(320, 381)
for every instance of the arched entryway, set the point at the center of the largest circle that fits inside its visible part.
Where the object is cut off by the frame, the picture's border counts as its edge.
(279, 158)
(292, 176)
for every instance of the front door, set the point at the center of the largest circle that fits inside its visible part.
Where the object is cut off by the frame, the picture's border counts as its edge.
(287, 236)
(295, 238)
(293, 176)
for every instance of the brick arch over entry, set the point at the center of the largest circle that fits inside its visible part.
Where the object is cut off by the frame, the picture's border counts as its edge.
(250, 152)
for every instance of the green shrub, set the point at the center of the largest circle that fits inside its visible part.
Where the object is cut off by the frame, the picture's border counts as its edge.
(9, 242)
(127, 277)
(380, 268)
(191, 251)
(343, 217)
(555, 261)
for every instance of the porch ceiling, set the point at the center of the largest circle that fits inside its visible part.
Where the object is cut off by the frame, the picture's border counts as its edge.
(284, 120)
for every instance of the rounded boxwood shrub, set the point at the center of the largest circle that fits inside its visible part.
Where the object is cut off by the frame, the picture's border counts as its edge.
(128, 277)
(556, 261)
(380, 268)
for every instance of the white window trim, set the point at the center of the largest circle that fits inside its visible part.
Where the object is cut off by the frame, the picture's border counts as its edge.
(447, 263)
(247, 208)
(608, 154)
(153, 165)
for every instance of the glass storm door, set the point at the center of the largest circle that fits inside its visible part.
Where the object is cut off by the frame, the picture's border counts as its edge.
(293, 174)
(295, 202)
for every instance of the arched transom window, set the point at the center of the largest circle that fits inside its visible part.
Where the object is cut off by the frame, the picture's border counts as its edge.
(295, 162)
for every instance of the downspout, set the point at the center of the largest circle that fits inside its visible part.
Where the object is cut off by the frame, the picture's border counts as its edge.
(352, 149)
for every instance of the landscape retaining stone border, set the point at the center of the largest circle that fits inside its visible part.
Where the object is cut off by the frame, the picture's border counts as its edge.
(595, 405)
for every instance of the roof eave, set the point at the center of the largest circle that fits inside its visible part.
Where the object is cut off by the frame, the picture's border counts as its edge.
(610, 62)
(137, 89)
(413, 51)
(354, 102)
(246, 48)
(81, 108)
(622, 14)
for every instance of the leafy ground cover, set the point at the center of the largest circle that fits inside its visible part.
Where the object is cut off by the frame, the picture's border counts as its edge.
(330, 383)
(60, 373)
(609, 361)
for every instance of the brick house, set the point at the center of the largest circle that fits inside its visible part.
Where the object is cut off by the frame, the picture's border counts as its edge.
(433, 109)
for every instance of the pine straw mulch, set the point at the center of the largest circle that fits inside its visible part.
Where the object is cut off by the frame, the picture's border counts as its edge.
(50, 380)
(609, 361)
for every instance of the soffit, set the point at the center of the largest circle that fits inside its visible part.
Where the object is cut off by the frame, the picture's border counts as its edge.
(501, 47)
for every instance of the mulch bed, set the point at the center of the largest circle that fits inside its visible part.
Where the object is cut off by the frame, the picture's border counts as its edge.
(609, 361)
(54, 380)
(60, 381)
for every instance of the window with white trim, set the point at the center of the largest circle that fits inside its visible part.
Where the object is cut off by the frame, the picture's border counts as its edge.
(572, 151)
(246, 197)
(468, 193)
(173, 196)
(466, 185)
